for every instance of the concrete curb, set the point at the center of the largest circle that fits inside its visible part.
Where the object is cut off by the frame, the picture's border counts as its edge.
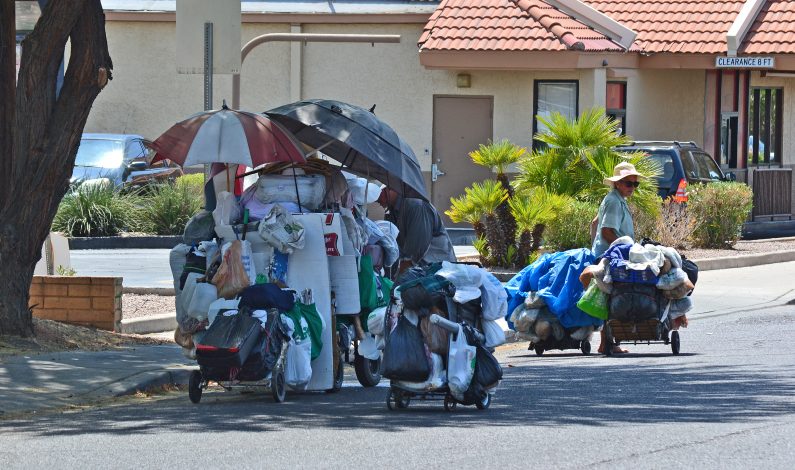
(172, 375)
(150, 324)
(710, 264)
(110, 243)
(149, 290)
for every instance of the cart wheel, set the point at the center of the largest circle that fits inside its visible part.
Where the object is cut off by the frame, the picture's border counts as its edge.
(367, 370)
(402, 400)
(278, 389)
(195, 386)
(539, 350)
(585, 347)
(485, 402)
(675, 342)
(391, 399)
(449, 403)
(339, 378)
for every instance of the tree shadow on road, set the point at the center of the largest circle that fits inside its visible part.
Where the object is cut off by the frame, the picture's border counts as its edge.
(586, 393)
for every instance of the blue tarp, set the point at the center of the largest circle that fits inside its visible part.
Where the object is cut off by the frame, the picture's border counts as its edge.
(555, 277)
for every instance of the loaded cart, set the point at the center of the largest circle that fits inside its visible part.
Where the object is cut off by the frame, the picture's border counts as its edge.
(439, 334)
(240, 351)
(644, 321)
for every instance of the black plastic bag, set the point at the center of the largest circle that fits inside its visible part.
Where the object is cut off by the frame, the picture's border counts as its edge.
(633, 302)
(229, 340)
(266, 353)
(691, 269)
(404, 354)
(265, 296)
(488, 371)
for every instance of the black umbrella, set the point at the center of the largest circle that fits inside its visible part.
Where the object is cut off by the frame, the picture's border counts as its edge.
(357, 139)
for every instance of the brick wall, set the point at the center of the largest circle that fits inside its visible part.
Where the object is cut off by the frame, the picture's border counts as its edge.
(78, 300)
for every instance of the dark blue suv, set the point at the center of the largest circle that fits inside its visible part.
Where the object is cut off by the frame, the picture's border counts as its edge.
(679, 161)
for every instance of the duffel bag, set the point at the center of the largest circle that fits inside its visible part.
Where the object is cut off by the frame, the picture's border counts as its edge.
(633, 302)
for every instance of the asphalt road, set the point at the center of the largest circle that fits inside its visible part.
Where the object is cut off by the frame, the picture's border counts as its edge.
(728, 401)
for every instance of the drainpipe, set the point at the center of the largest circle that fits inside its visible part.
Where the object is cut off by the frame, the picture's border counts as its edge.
(293, 37)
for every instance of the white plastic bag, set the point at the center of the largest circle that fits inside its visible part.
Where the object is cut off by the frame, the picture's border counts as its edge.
(494, 333)
(227, 210)
(298, 364)
(176, 259)
(466, 279)
(435, 380)
(282, 188)
(368, 348)
(218, 305)
(203, 296)
(493, 297)
(280, 230)
(183, 301)
(375, 321)
(461, 364)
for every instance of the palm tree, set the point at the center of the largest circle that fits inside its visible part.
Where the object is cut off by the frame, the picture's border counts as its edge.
(497, 156)
(488, 196)
(579, 154)
(463, 209)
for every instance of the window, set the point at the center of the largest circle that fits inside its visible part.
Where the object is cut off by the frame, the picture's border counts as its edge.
(765, 116)
(616, 104)
(553, 96)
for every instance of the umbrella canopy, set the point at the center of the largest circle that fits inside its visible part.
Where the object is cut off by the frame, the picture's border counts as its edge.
(357, 139)
(227, 136)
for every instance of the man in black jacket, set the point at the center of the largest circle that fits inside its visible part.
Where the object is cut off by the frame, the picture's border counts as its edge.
(422, 238)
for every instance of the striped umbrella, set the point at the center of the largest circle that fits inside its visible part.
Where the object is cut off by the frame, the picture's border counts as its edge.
(227, 136)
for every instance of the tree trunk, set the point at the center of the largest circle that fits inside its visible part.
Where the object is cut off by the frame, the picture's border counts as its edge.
(505, 215)
(38, 151)
(538, 232)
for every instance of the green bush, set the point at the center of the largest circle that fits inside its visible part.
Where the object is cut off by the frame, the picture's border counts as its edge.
(168, 207)
(97, 210)
(572, 227)
(719, 211)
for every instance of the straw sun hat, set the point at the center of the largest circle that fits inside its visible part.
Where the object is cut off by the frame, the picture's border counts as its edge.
(621, 171)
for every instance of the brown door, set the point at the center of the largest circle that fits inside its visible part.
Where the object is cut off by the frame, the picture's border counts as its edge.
(460, 125)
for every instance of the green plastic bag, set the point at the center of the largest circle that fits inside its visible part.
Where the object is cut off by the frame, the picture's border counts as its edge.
(383, 301)
(594, 302)
(312, 316)
(368, 291)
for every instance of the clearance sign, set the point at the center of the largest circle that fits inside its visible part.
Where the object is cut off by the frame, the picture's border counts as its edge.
(745, 62)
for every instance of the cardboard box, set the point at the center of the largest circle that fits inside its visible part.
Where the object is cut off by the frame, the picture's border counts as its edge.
(344, 272)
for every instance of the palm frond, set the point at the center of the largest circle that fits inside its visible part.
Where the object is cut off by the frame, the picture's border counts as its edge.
(487, 196)
(497, 155)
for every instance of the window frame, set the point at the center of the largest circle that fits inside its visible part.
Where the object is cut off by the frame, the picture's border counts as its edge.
(536, 83)
(620, 113)
(755, 117)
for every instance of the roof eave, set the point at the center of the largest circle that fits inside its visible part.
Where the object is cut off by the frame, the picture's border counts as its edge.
(597, 20)
(742, 24)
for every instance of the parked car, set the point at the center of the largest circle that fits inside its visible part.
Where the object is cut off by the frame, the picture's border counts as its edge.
(120, 160)
(679, 161)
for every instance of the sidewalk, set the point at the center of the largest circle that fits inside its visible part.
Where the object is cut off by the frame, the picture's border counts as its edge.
(57, 380)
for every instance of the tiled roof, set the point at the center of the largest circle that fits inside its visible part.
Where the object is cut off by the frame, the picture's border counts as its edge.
(681, 26)
(773, 31)
(508, 25)
(667, 26)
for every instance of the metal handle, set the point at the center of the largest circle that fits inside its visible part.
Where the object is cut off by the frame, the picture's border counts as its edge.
(452, 327)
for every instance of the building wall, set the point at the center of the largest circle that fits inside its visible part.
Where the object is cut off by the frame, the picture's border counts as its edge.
(666, 105)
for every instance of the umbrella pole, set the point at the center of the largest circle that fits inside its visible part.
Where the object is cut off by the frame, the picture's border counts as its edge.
(227, 179)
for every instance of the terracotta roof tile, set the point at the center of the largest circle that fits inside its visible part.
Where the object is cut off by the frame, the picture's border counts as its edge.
(498, 24)
(773, 31)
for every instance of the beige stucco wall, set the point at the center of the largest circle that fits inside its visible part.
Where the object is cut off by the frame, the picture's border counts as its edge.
(147, 96)
(666, 105)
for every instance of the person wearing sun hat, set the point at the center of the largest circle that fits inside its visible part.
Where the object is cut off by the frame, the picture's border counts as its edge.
(614, 220)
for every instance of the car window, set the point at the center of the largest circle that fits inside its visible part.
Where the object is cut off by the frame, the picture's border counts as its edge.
(100, 153)
(666, 162)
(135, 150)
(705, 166)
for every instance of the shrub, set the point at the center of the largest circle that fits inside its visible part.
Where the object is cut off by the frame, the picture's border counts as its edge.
(719, 210)
(97, 210)
(672, 226)
(572, 226)
(168, 207)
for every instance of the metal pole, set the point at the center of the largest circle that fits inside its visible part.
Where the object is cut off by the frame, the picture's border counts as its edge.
(308, 37)
(208, 79)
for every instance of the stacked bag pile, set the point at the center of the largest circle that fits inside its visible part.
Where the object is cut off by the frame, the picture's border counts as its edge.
(543, 298)
(419, 354)
(635, 281)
